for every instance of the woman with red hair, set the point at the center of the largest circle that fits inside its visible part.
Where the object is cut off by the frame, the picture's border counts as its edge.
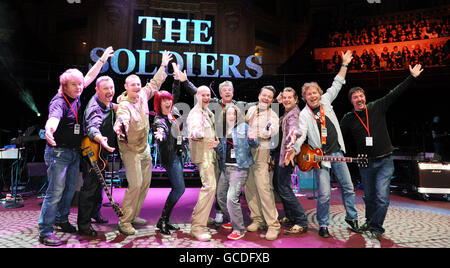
(171, 148)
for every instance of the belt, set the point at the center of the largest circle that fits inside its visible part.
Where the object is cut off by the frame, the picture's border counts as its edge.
(376, 158)
(76, 149)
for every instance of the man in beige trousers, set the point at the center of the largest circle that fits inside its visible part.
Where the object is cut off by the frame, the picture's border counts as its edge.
(258, 189)
(133, 112)
(202, 140)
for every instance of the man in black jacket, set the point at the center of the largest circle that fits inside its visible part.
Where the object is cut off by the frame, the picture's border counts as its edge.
(367, 124)
(99, 118)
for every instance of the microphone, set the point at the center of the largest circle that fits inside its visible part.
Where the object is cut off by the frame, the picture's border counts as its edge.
(268, 125)
(122, 128)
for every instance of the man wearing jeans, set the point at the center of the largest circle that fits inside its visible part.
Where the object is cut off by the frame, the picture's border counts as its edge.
(367, 124)
(319, 124)
(62, 154)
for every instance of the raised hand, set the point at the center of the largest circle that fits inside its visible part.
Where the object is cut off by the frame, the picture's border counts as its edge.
(346, 57)
(416, 70)
(166, 58)
(109, 52)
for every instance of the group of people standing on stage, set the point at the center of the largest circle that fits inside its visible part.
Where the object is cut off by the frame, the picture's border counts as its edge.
(230, 153)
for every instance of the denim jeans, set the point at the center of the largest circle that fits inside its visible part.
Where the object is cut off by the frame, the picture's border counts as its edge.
(342, 173)
(175, 174)
(228, 191)
(282, 184)
(376, 179)
(63, 167)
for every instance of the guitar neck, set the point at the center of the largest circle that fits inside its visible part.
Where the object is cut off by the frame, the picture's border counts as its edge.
(336, 158)
(102, 180)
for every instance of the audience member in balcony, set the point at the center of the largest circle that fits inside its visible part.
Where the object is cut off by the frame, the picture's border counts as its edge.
(385, 59)
(396, 57)
(416, 54)
(365, 58)
(337, 61)
(374, 59)
(406, 56)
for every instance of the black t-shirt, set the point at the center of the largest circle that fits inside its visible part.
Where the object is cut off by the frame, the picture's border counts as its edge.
(332, 143)
(376, 110)
(64, 135)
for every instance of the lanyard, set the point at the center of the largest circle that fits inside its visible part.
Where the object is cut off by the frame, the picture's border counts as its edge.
(75, 113)
(232, 141)
(367, 116)
(322, 123)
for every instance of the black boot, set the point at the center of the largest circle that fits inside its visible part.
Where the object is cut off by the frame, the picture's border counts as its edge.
(163, 224)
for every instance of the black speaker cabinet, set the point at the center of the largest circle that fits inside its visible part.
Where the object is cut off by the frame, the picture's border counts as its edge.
(434, 178)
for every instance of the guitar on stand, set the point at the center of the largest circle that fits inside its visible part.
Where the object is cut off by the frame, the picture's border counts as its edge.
(309, 158)
(92, 150)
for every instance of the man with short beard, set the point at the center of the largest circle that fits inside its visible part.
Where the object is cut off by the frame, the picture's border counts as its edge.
(99, 119)
(368, 127)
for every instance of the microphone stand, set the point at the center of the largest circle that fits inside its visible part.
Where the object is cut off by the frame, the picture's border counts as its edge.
(314, 197)
(14, 182)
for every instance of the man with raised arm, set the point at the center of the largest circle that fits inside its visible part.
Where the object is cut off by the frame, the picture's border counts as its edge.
(132, 116)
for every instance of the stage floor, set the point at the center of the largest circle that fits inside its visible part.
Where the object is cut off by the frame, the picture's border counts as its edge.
(409, 223)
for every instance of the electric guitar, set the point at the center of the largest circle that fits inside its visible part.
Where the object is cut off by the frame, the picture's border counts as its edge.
(309, 158)
(92, 150)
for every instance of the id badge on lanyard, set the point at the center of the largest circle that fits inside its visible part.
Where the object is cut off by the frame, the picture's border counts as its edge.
(76, 126)
(232, 153)
(369, 139)
(76, 129)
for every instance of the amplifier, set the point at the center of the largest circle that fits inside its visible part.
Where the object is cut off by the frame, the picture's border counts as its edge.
(12, 153)
(434, 178)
